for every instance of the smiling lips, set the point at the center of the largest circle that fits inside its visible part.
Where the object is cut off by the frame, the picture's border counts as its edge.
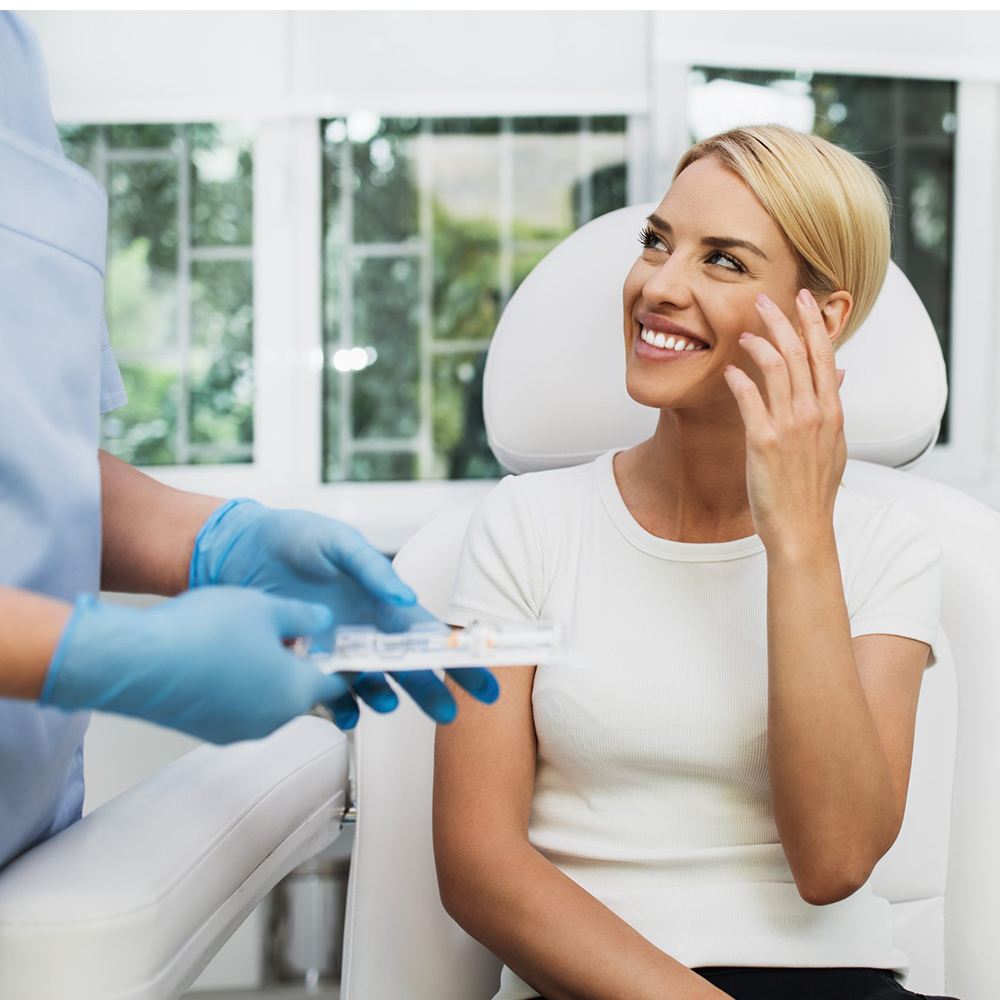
(655, 324)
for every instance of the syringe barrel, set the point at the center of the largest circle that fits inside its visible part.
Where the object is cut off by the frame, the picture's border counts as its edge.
(548, 633)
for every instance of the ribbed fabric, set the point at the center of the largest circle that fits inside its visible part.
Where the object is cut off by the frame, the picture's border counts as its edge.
(651, 788)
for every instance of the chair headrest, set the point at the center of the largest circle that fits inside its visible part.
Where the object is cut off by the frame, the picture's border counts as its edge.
(554, 385)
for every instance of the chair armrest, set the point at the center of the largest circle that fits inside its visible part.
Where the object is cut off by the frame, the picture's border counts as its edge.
(135, 899)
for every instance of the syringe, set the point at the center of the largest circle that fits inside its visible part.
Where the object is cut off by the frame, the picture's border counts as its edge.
(433, 645)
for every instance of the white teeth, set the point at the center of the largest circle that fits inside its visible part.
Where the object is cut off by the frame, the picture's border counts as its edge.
(662, 340)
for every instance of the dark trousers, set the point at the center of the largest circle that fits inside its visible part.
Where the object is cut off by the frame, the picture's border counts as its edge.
(807, 984)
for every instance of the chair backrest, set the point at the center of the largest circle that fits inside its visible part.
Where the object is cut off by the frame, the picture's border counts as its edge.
(543, 412)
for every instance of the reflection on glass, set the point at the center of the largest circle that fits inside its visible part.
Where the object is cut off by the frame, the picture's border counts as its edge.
(469, 205)
(180, 315)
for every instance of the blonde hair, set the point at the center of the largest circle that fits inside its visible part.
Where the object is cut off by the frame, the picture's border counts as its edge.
(833, 209)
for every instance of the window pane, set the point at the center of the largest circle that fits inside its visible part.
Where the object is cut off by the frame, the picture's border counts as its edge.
(466, 227)
(221, 360)
(383, 465)
(461, 450)
(903, 129)
(221, 185)
(385, 177)
(386, 317)
(159, 136)
(178, 286)
(149, 436)
(141, 276)
(467, 205)
(547, 168)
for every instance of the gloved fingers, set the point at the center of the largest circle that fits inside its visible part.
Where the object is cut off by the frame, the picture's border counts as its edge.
(299, 618)
(330, 687)
(428, 692)
(478, 681)
(344, 710)
(375, 689)
(348, 549)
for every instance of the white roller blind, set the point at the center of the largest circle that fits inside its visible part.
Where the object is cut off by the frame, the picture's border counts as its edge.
(187, 65)
(951, 45)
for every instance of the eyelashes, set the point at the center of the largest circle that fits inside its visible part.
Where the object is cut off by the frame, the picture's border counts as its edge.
(647, 237)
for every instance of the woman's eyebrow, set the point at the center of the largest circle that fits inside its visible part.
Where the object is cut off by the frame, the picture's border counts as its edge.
(719, 242)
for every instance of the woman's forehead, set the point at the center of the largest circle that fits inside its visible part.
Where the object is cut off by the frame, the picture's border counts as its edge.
(708, 200)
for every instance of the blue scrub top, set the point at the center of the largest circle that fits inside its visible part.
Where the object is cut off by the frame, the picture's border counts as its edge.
(57, 374)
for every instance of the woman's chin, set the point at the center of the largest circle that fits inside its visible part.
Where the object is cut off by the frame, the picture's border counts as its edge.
(649, 390)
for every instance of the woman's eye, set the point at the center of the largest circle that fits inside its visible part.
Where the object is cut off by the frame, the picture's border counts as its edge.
(719, 253)
(647, 238)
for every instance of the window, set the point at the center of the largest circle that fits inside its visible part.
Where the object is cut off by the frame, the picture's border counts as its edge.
(178, 287)
(904, 129)
(429, 226)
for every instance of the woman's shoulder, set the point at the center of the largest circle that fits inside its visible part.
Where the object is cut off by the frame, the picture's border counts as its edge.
(545, 498)
(550, 490)
(863, 521)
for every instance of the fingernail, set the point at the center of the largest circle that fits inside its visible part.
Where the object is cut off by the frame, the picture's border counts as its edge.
(840, 376)
(763, 301)
(806, 298)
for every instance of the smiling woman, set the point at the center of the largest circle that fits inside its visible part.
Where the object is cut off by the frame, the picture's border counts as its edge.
(673, 821)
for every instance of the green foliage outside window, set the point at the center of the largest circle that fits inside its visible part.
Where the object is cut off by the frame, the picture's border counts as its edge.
(417, 225)
(178, 286)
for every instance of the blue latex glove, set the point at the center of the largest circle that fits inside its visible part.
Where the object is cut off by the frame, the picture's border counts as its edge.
(210, 663)
(297, 553)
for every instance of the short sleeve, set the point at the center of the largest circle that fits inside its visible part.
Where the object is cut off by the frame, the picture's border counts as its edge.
(113, 392)
(499, 576)
(899, 585)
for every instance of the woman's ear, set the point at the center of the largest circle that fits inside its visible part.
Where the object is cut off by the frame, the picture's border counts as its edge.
(835, 311)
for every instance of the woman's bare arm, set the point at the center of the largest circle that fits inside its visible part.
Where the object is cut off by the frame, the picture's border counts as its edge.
(553, 933)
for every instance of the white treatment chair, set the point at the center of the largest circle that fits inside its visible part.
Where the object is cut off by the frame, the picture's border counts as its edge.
(132, 902)
(545, 409)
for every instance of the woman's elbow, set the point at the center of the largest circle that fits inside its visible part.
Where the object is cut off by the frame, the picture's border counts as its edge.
(466, 863)
(453, 881)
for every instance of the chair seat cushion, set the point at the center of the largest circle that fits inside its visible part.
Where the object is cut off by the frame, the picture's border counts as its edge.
(134, 900)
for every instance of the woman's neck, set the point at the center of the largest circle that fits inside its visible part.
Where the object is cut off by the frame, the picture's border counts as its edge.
(666, 497)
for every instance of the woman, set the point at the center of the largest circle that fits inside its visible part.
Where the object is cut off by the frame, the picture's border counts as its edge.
(705, 824)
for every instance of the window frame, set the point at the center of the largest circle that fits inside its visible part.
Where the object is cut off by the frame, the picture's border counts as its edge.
(288, 341)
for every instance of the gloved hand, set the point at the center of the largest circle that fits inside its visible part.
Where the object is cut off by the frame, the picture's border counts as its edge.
(209, 662)
(297, 553)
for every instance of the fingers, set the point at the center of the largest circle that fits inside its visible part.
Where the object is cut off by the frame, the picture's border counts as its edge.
(428, 692)
(344, 710)
(375, 690)
(478, 681)
(299, 618)
(331, 687)
(784, 363)
(824, 370)
(348, 549)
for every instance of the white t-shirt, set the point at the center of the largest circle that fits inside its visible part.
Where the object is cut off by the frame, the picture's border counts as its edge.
(651, 785)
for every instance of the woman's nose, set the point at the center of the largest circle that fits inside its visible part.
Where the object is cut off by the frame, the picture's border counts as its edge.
(669, 283)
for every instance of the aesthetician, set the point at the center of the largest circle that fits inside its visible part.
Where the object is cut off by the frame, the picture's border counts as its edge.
(74, 520)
